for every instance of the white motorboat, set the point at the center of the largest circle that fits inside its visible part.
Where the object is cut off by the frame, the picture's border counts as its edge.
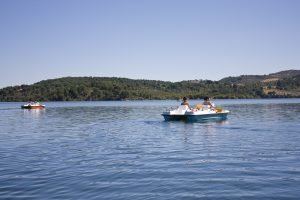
(201, 114)
(33, 105)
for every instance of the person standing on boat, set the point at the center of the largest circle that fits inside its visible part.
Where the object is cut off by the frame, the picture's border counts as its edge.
(208, 103)
(185, 102)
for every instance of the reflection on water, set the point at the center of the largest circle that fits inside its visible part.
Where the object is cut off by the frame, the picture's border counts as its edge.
(34, 113)
(125, 150)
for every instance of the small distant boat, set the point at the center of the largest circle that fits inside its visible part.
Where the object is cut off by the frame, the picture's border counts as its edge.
(33, 105)
(205, 113)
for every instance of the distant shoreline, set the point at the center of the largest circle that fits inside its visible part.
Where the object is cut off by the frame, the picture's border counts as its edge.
(285, 84)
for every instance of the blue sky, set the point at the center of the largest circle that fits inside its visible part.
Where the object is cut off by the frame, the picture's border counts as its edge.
(168, 40)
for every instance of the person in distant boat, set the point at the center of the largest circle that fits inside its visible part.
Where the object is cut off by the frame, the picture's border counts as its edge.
(185, 102)
(208, 103)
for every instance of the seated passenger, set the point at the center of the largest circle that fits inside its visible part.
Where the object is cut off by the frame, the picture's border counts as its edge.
(208, 103)
(185, 102)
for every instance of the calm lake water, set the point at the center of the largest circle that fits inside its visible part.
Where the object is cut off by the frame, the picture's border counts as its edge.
(124, 150)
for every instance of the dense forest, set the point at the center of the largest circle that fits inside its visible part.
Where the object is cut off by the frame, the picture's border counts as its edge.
(281, 84)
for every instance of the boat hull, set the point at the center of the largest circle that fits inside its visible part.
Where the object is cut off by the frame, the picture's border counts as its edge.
(207, 117)
(196, 118)
(174, 117)
(32, 107)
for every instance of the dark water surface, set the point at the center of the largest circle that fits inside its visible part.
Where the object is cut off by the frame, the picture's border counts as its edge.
(124, 150)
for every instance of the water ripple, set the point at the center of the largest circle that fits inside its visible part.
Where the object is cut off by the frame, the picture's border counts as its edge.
(107, 151)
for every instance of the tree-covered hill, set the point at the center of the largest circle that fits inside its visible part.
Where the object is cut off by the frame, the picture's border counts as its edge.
(281, 84)
(244, 79)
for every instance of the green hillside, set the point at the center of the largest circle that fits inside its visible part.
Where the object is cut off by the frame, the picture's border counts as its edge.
(281, 84)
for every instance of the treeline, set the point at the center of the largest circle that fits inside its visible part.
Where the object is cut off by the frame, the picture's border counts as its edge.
(105, 88)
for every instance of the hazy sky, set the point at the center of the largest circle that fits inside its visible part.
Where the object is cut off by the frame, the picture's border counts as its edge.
(171, 40)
